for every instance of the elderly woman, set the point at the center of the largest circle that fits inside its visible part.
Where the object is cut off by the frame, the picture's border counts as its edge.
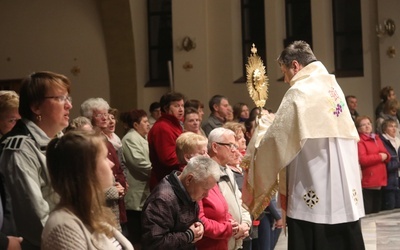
(190, 144)
(373, 157)
(9, 102)
(391, 192)
(136, 152)
(96, 109)
(114, 139)
(234, 164)
(81, 220)
(239, 130)
(44, 107)
(80, 123)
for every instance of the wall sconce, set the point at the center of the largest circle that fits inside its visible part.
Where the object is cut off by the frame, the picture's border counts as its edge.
(187, 66)
(187, 44)
(391, 52)
(387, 28)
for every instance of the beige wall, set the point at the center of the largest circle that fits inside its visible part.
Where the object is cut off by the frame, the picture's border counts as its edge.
(49, 34)
(390, 72)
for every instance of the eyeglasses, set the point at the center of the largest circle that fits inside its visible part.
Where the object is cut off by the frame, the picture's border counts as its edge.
(231, 146)
(101, 115)
(60, 98)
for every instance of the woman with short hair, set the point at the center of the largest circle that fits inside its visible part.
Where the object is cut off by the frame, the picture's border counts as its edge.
(373, 157)
(162, 137)
(136, 152)
(9, 102)
(44, 106)
(96, 109)
(391, 192)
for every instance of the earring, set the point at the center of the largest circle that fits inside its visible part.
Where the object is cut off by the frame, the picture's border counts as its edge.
(39, 118)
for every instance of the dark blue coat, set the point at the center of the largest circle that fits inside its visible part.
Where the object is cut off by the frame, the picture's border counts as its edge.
(392, 167)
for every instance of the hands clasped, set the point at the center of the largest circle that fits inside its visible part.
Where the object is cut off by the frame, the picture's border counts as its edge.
(198, 231)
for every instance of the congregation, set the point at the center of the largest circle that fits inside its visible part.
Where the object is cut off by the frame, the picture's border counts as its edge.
(175, 179)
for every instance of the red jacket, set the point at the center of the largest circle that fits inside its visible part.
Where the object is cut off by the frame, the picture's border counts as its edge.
(215, 216)
(372, 166)
(162, 142)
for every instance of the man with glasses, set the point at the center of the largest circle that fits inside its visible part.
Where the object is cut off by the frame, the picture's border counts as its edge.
(221, 148)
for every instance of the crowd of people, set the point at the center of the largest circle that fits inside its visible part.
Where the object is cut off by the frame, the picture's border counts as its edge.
(378, 152)
(177, 181)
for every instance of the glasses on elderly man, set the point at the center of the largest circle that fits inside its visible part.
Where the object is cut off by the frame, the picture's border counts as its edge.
(231, 146)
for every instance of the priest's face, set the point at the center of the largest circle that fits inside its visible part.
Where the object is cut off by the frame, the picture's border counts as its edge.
(288, 73)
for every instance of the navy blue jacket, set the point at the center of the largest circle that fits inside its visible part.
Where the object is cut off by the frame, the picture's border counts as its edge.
(392, 167)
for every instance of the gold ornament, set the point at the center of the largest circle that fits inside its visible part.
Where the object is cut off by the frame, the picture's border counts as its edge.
(257, 80)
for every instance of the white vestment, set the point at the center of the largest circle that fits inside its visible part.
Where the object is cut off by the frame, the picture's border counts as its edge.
(323, 187)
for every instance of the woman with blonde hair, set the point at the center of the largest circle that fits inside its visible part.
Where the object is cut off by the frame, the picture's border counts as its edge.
(80, 171)
(190, 144)
(9, 102)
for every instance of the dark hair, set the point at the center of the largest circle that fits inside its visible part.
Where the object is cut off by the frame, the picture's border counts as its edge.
(130, 117)
(72, 162)
(113, 111)
(193, 103)
(349, 96)
(254, 112)
(154, 106)
(385, 92)
(237, 110)
(166, 99)
(249, 125)
(216, 99)
(299, 51)
(34, 88)
(191, 110)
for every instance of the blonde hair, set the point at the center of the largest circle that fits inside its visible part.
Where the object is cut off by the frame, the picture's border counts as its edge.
(9, 100)
(187, 143)
(235, 127)
(390, 105)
